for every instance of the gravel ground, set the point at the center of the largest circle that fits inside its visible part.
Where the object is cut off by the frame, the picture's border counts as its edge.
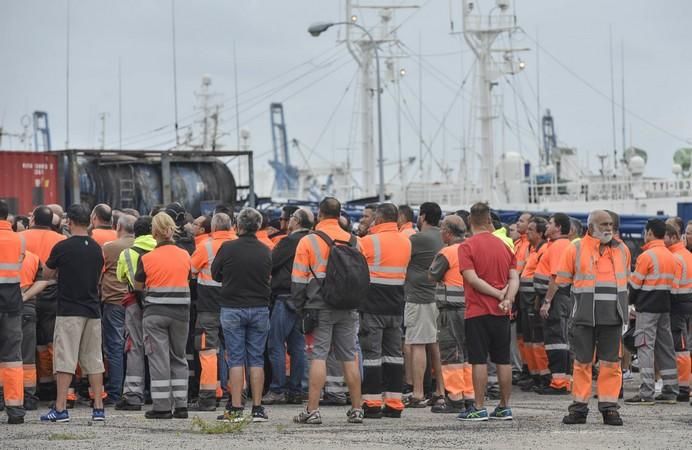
(536, 424)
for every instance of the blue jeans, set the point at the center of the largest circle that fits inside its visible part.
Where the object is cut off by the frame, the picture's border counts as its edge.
(245, 331)
(113, 324)
(285, 334)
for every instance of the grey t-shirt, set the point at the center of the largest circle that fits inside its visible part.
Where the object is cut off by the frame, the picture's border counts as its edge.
(424, 246)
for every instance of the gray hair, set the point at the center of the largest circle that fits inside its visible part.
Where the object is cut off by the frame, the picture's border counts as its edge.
(249, 221)
(220, 222)
(126, 223)
(304, 217)
(454, 225)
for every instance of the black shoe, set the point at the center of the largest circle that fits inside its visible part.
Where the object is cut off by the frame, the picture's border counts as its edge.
(198, 405)
(549, 390)
(108, 402)
(259, 414)
(180, 413)
(294, 399)
(372, 413)
(612, 417)
(333, 401)
(574, 418)
(683, 397)
(391, 413)
(152, 414)
(30, 404)
(15, 420)
(449, 407)
(122, 405)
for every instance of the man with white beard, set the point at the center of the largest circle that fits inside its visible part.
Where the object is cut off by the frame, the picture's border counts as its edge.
(596, 268)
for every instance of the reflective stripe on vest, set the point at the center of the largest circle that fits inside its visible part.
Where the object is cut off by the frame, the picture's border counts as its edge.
(12, 270)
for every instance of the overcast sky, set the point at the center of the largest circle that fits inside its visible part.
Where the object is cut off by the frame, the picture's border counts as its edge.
(279, 61)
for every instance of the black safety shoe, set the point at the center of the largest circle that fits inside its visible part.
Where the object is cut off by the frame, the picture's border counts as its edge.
(152, 414)
(180, 413)
(122, 405)
(372, 413)
(683, 397)
(550, 390)
(15, 420)
(449, 407)
(391, 413)
(574, 418)
(198, 405)
(612, 417)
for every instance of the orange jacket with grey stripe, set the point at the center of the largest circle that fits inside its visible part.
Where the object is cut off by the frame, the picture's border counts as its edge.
(522, 250)
(208, 290)
(166, 271)
(12, 249)
(444, 269)
(548, 263)
(387, 252)
(310, 263)
(651, 282)
(681, 302)
(596, 273)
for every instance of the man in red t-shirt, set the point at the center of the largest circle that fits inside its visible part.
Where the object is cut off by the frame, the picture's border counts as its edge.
(491, 282)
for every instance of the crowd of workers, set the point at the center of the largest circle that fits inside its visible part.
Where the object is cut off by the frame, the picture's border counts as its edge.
(183, 313)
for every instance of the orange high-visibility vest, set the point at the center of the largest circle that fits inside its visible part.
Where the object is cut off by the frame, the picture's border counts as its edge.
(547, 265)
(407, 229)
(580, 269)
(30, 267)
(204, 255)
(103, 235)
(387, 253)
(682, 284)
(40, 241)
(526, 277)
(167, 270)
(450, 290)
(12, 249)
(263, 237)
(522, 250)
(652, 278)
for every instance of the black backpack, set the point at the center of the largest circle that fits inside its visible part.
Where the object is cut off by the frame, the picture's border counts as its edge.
(347, 279)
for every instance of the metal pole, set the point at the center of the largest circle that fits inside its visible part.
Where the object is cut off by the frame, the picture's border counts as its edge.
(380, 188)
(166, 178)
(251, 180)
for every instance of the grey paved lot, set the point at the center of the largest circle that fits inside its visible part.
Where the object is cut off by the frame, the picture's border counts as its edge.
(536, 425)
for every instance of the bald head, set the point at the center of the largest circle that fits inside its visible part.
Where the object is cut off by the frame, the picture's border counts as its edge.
(58, 214)
(102, 215)
(452, 229)
(302, 218)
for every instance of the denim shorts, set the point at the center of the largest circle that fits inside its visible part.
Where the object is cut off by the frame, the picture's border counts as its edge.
(245, 332)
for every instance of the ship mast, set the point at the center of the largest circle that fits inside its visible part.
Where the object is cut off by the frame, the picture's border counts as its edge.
(481, 32)
(362, 49)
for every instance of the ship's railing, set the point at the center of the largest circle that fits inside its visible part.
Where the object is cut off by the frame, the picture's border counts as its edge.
(608, 190)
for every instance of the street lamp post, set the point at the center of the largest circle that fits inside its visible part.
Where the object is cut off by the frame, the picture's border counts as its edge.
(319, 28)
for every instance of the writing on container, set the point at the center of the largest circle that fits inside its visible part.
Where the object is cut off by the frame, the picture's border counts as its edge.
(38, 168)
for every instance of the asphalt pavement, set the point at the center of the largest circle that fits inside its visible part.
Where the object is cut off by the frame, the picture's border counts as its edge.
(536, 425)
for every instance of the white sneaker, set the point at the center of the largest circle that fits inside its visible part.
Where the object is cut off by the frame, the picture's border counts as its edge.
(627, 375)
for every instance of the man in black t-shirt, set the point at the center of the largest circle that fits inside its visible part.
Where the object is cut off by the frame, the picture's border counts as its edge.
(77, 263)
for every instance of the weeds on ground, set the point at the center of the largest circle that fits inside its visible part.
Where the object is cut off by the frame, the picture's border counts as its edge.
(200, 425)
(69, 437)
